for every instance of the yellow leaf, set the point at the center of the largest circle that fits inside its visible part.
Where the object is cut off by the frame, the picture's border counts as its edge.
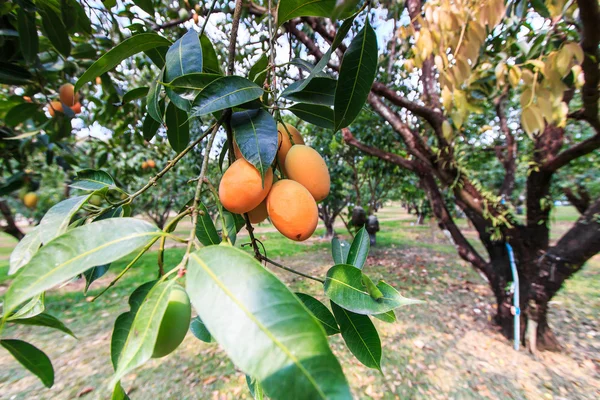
(514, 75)
(500, 72)
(526, 97)
(576, 51)
(527, 77)
(545, 106)
(439, 63)
(446, 97)
(447, 131)
(562, 61)
(536, 63)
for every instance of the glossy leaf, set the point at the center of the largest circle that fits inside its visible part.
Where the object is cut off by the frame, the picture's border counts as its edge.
(318, 90)
(30, 309)
(210, 61)
(360, 336)
(134, 94)
(254, 387)
(344, 286)
(321, 312)
(205, 228)
(153, 102)
(339, 250)
(139, 345)
(225, 92)
(357, 73)
(315, 114)
(46, 320)
(149, 127)
(282, 344)
(359, 250)
(145, 5)
(199, 330)
(11, 74)
(178, 128)
(258, 71)
(290, 9)
(184, 89)
(344, 8)
(32, 358)
(389, 317)
(184, 56)
(256, 136)
(92, 179)
(20, 113)
(93, 274)
(28, 37)
(24, 250)
(124, 50)
(233, 224)
(119, 393)
(76, 251)
(55, 30)
(57, 219)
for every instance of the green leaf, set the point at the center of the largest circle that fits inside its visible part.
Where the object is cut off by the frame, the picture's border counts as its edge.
(339, 250)
(184, 56)
(30, 309)
(258, 71)
(20, 113)
(84, 51)
(139, 346)
(319, 90)
(360, 336)
(44, 319)
(24, 250)
(93, 274)
(57, 219)
(124, 321)
(389, 317)
(256, 135)
(76, 251)
(135, 94)
(315, 114)
(92, 179)
(199, 330)
(540, 7)
(321, 312)
(255, 389)
(55, 30)
(149, 127)
(158, 55)
(233, 224)
(125, 49)
(185, 88)
(344, 286)
(357, 73)
(178, 128)
(11, 74)
(359, 250)
(290, 9)
(28, 37)
(153, 102)
(205, 228)
(225, 92)
(210, 61)
(119, 393)
(282, 344)
(344, 8)
(145, 5)
(32, 358)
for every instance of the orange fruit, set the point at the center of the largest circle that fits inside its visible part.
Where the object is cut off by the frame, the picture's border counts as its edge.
(237, 151)
(67, 94)
(76, 108)
(98, 80)
(144, 165)
(292, 210)
(195, 16)
(259, 214)
(30, 200)
(27, 99)
(241, 188)
(285, 144)
(55, 106)
(151, 163)
(306, 166)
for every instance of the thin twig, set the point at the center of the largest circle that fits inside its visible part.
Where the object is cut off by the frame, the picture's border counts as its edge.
(210, 11)
(263, 258)
(161, 249)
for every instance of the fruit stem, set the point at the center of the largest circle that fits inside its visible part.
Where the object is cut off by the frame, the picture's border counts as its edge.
(263, 258)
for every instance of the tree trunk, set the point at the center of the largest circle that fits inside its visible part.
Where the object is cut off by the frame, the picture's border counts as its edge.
(11, 227)
(329, 231)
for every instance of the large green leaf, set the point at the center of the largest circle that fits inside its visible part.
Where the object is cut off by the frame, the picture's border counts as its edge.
(320, 312)
(199, 330)
(359, 250)
(258, 71)
(57, 219)
(339, 250)
(24, 250)
(125, 49)
(30, 309)
(344, 286)
(76, 251)
(92, 179)
(44, 319)
(184, 89)
(360, 336)
(32, 358)
(153, 101)
(255, 389)
(20, 113)
(139, 345)
(343, 8)
(389, 317)
(256, 136)
(357, 73)
(145, 5)
(225, 92)
(290, 9)
(210, 61)
(93, 274)
(315, 114)
(184, 56)
(134, 94)
(205, 228)
(149, 127)
(55, 30)
(28, 37)
(262, 326)
(12, 74)
(319, 90)
(178, 128)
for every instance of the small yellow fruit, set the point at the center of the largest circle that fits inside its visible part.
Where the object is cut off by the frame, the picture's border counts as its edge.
(241, 188)
(285, 144)
(306, 166)
(30, 200)
(67, 94)
(55, 106)
(95, 200)
(175, 323)
(259, 214)
(292, 210)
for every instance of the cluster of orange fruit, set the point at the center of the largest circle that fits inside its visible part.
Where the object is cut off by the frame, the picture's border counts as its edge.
(67, 96)
(290, 203)
(148, 164)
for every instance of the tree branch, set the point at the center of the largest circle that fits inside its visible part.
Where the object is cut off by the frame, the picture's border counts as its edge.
(590, 17)
(393, 158)
(509, 159)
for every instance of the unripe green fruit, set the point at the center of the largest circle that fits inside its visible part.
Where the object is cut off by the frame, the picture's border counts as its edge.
(95, 200)
(183, 13)
(175, 323)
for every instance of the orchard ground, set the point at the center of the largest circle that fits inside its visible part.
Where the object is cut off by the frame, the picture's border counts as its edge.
(446, 348)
